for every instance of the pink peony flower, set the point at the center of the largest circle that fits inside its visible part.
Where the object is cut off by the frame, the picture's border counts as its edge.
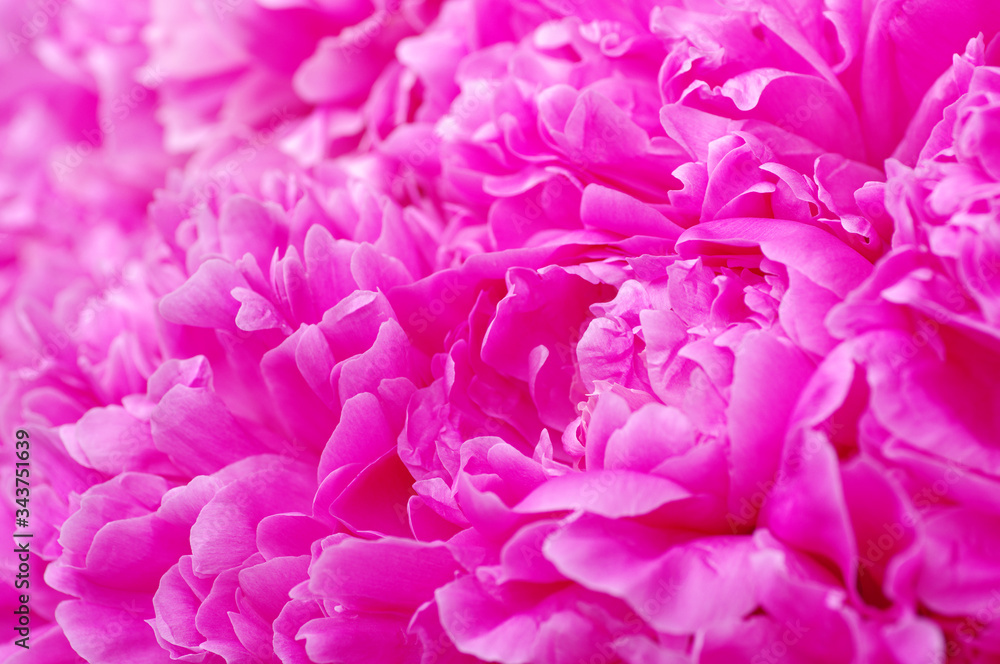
(79, 280)
(910, 392)
(522, 332)
(651, 369)
(322, 341)
(233, 66)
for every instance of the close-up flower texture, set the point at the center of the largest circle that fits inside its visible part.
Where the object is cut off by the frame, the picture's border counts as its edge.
(500, 331)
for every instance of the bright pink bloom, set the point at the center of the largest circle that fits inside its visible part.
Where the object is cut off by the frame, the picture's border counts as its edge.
(543, 331)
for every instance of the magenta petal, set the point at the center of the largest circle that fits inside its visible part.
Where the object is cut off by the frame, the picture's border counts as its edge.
(352, 325)
(176, 606)
(480, 625)
(759, 419)
(315, 361)
(959, 551)
(807, 249)
(104, 634)
(186, 417)
(803, 312)
(807, 508)
(305, 415)
(130, 495)
(610, 414)
(328, 267)
(265, 586)
(133, 553)
(522, 556)
(375, 498)
(383, 574)
(361, 436)
(205, 300)
(348, 638)
(376, 271)
(113, 441)
(213, 619)
(257, 312)
(894, 53)
(612, 210)
(335, 59)
(611, 493)
(426, 523)
(541, 309)
(226, 530)
(681, 589)
(293, 616)
(390, 356)
(888, 544)
(49, 645)
(248, 227)
(653, 434)
(281, 535)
